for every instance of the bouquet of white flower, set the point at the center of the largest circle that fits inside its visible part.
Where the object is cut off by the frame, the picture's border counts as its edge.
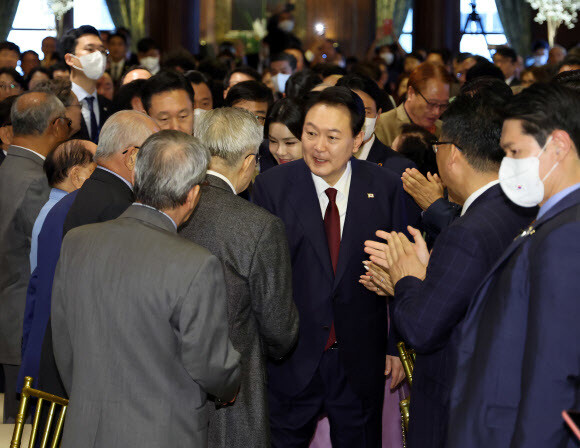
(555, 12)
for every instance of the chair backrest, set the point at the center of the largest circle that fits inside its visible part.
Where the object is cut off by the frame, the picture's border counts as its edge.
(27, 393)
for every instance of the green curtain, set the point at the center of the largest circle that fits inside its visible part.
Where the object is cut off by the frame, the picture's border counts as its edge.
(516, 19)
(400, 12)
(7, 12)
(129, 14)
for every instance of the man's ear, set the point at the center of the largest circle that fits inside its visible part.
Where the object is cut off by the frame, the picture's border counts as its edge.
(75, 176)
(137, 104)
(358, 140)
(69, 58)
(6, 135)
(562, 144)
(193, 196)
(131, 158)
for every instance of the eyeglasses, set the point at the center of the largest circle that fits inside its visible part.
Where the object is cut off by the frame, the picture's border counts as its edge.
(441, 106)
(436, 144)
(5, 86)
(260, 119)
(256, 155)
(127, 150)
(67, 120)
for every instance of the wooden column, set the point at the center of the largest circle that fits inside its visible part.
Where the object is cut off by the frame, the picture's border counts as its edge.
(436, 24)
(174, 24)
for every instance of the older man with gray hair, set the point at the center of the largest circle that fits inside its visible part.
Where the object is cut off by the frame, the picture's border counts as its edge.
(139, 354)
(251, 244)
(39, 124)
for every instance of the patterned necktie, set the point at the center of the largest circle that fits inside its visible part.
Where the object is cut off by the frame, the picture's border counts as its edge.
(332, 229)
(94, 129)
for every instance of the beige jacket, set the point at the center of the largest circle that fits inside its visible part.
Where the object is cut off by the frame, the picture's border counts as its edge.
(389, 125)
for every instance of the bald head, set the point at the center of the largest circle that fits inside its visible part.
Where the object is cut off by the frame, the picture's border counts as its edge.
(34, 112)
(138, 73)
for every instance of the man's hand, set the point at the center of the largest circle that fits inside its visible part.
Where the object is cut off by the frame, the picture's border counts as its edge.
(394, 367)
(424, 190)
(402, 258)
(420, 245)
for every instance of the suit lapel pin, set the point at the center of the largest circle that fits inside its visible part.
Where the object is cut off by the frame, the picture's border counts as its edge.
(370, 195)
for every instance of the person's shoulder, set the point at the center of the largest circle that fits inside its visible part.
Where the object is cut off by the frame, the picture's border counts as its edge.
(284, 171)
(376, 172)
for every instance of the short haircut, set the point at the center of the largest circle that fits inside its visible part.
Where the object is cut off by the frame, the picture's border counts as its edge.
(285, 57)
(540, 44)
(484, 68)
(300, 83)
(181, 60)
(416, 145)
(119, 36)
(28, 52)
(289, 113)
(369, 69)
(570, 79)
(571, 59)
(34, 117)
(121, 130)
(486, 85)
(540, 74)
(426, 71)
(18, 79)
(62, 88)
(474, 124)
(462, 57)
(33, 71)
(364, 84)
(67, 155)
(5, 107)
(146, 44)
(507, 52)
(10, 46)
(339, 96)
(195, 77)
(165, 81)
(248, 71)
(415, 55)
(249, 91)
(543, 108)
(169, 164)
(69, 42)
(59, 67)
(126, 93)
(229, 133)
(325, 70)
(443, 52)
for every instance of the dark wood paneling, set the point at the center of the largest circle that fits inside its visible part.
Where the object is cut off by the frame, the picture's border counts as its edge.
(436, 24)
(174, 24)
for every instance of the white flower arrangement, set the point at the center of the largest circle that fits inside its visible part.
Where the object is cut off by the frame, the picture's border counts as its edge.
(59, 7)
(555, 13)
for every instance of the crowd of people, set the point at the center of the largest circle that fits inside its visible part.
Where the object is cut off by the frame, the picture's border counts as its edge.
(201, 252)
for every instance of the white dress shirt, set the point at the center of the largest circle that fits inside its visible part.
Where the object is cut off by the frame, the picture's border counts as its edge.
(224, 178)
(342, 187)
(473, 196)
(366, 149)
(81, 95)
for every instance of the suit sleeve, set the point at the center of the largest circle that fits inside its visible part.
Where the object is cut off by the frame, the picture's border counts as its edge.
(206, 350)
(271, 290)
(438, 216)
(551, 362)
(62, 344)
(426, 312)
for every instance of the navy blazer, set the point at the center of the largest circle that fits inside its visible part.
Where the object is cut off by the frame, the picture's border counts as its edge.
(518, 360)
(384, 155)
(375, 202)
(427, 313)
(39, 293)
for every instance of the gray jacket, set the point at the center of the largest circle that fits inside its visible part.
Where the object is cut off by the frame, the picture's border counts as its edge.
(263, 320)
(23, 191)
(140, 334)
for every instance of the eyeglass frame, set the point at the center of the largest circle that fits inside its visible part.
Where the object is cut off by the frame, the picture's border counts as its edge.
(437, 143)
(256, 155)
(441, 107)
(68, 120)
(9, 86)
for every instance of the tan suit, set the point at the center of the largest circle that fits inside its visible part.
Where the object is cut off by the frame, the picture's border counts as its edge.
(390, 123)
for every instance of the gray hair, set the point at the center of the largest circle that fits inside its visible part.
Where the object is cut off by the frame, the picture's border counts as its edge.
(169, 164)
(229, 133)
(122, 130)
(33, 112)
(62, 88)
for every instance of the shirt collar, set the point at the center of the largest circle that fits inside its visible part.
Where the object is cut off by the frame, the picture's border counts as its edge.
(153, 208)
(224, 178)
(366, 149)
(56, 194)
(81, 93)
(115, 174)
(342, 186)
(555, 199)
(30, 150)
(477, 193)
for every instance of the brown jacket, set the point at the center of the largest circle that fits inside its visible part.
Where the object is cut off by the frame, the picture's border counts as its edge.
(389, 125)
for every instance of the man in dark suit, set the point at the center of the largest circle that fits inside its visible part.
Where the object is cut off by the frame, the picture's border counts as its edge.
(518, 356)
(507, 60)
(430, 300)
(331, 203)
(86, 55)
(118, 63)
(248, 240)
(159, 310)
(39, 125)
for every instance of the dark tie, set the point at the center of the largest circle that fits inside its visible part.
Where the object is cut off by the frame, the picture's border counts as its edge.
(94, 129)
(332, 229)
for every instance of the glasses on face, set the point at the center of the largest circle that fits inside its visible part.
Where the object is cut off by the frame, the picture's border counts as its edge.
(260, 119)
(8, 86)
(256, 155)
(127, 150)
(67, 120)
(441, 106)
(436, 144)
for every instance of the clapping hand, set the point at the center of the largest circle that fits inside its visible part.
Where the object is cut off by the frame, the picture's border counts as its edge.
(424, 190)
(376, 279)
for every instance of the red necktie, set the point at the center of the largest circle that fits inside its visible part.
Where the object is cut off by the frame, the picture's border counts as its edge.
(332, 229)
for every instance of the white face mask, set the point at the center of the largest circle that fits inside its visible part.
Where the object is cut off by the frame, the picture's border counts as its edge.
(93, 64)
(520, 179)
(388, 58)
(286, 25)
(151, 63)
(280, 81)
(369, 127)
(540, 60)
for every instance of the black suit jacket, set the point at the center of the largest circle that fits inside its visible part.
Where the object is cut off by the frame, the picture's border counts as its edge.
(105, 111)
(2, 156)
(384, 155)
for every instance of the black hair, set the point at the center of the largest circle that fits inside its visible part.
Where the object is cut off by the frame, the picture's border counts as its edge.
(543, 108)
(325, 69)
(571, 59)
(28, 52)
(179, 59)
(120, 36)
(249, 91)
(59, 162)
(126, 93)
(285, 57)
(507, 52)
(415, 55)
(540, 44)
(59, 66)
(474, 124)
(289, 113)
(364, 84)
(195, 77)
(17, 77)
(32, 72)
(146, 44)
(340, 96)
(5, 108)
(69, 42)
(165, 81)
(484, 68)
(10, 46)
(416, 145)
(367, 68)
(570, 79)
(249, 71)
(486, 85)
(462, 57)
(443, 52)
(300, 83)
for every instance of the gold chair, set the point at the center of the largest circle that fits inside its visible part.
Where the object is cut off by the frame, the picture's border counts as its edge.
(27, 393)
(407, 358)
